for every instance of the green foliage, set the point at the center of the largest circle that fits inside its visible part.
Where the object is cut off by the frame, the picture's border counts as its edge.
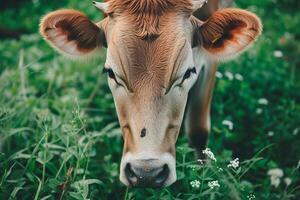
(59, 133)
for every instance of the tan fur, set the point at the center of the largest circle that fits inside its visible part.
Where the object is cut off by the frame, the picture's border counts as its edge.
(198, 108)
(207, 10)
(146, 14)
(128, 140)
(150, 63)
(204, 112)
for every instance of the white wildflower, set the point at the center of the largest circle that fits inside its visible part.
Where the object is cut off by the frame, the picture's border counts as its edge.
(251, 196)
(287, 181)
(194, 167)
(275, 175)
(234, 163)
(275, 181)
(195, 184)
(213, 184)
(275, 172)
(200, 161)
(220, 169)
(219, 74)
(209, 154)
(229, 75)
(295, 132)
(238, 77)
(228, 123)
(263, 101)
(270, 133)
(278, 54)
(259, 111)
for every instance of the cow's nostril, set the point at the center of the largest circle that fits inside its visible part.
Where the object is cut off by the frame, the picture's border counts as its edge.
(163, 175)
(131, 176)
(144, 175)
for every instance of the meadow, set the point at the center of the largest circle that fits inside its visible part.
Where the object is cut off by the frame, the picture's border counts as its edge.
(60, 138)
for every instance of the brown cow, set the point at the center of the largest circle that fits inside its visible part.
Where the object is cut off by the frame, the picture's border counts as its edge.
(161, 63)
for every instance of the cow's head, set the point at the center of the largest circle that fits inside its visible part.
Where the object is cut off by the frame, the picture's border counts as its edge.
(153, 53)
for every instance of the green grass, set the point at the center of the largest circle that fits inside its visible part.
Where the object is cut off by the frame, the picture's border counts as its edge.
(59, 133)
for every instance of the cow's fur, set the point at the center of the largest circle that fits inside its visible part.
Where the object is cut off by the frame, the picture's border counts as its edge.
(146, 14)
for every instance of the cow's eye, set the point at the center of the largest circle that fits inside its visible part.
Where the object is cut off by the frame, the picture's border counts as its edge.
(188, 74)
(110, 73)
(180, 80)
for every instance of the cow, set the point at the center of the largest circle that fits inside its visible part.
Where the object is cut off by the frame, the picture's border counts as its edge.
(162, 56)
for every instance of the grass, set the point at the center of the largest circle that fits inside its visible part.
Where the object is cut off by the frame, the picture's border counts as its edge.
(59, 133)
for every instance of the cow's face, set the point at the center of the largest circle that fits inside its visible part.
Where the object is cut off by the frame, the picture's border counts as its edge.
(151, 67)
(150, 83)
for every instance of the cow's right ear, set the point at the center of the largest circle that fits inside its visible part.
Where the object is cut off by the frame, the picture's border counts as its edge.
(227, 32)
(72, 33)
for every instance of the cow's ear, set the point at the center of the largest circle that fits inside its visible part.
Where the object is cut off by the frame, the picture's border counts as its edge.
(227, 32)
(72, 33)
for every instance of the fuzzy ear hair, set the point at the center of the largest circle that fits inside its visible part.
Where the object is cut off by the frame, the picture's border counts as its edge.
(72, 33)
(227, 32)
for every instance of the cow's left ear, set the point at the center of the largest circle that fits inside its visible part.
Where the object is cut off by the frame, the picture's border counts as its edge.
(72, 33)
(227, 32)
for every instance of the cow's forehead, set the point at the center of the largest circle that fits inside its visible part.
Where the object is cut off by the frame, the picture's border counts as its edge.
(156, 7)
(147, 44)
(147, 15)
(148, 63)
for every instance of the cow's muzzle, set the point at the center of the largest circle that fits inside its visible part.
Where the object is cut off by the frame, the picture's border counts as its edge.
(148, 169)
(145, 173)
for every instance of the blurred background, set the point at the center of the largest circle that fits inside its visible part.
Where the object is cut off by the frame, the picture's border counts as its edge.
(59, 136)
